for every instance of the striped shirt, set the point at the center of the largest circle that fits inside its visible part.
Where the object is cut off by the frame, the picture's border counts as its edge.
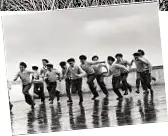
(52, 75)
(73, 71)
(87, 68)
(24, 76)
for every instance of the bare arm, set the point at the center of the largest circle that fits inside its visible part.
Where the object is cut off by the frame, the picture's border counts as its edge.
(96, 62)
(82, 73)
(121, 67)
(142, 60)
(132, 61)
(16, 77)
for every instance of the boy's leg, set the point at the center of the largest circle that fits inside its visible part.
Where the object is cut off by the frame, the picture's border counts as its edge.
(68, 86)
(53, 86)
(124, 82)
(79, 88)
(36, 90)
(143, 82)
(116, 85)
(28, 97)
(138, 81)
(100, 81)
(148, 81)
(42, 96)
(90, 82)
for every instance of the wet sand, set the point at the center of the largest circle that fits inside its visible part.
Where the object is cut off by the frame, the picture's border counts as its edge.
(103, 112)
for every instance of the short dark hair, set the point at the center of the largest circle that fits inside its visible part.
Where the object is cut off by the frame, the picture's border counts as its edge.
(34, 67)
(110, 58)
(71, 60)
(62, 63)
(45, 60)
(82, 57)
(136, 54)
(141, 52)
(23, 64)
(118, 55)
(95, 57)
(50, 65)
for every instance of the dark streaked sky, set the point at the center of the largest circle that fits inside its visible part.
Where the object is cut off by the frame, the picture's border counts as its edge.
(103, 31)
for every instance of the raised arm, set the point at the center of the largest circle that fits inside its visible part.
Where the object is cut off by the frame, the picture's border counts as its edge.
(16, 77)
(121, 67)
(143, 60)
(96, 62)
(132, 61)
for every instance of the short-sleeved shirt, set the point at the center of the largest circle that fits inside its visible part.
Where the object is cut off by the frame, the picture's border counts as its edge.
(43, 71)
(24, 76)
(52, 75)
(65, 73)
(115, 70)
(98, 69)
(36, 76)
(87, 68)
(73, 71)
(140, 66)
(124, 63)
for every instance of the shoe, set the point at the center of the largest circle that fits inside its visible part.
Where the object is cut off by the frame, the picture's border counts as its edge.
(137, 91)
(95, 96)
(51, 102)
(119, 98)
(80, 102)
(126, 93)
(32, 106)
(130, 90)
(145, 92)
(151, 91)
(69, 101)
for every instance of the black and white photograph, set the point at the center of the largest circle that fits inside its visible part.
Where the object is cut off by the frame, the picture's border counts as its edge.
(40, 5)
(84, 68)
(163, 5)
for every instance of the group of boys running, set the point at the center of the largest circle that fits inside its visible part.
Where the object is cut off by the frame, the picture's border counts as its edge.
(73, 75)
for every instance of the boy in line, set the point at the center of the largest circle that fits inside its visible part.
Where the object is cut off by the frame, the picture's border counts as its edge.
(87, 67)
(51, 77)
(76, 74)
(66, 76)
(143, 68)
(115, 70)
(24, 75)
(38, 84)
(124, 73)
(99, 74)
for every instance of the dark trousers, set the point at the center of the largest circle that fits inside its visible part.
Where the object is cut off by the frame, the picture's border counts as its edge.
(77, 85)
(116, 86)
(146, 79)
(52, 90)
(39, 90)
(90, 82)
(125, 84)
(68, 87)
(28, 97)
(100, 81)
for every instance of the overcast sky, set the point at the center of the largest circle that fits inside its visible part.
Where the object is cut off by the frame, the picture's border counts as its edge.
(58, 35)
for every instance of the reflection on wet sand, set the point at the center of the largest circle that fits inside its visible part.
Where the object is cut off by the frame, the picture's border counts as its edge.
(104, 114)
(30, 122)
(147, 111)
(42, 118)
(123, 113)
(80, 119)
(95, 115)
(55, 117)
